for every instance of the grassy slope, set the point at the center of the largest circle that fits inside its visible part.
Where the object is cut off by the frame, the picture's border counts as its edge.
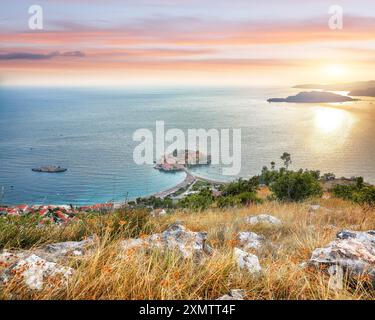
(105, 275)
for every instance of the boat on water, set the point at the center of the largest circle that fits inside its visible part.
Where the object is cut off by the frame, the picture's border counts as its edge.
(50, 169)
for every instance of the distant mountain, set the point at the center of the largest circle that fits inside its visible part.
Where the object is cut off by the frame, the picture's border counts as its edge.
(369, 92)
(351, 86)
(313, 97)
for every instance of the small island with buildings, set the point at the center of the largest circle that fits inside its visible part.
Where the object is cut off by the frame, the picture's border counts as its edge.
(180, 160)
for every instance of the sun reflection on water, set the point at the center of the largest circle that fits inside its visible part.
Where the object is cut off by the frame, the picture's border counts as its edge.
(330, 120)
(332, 127)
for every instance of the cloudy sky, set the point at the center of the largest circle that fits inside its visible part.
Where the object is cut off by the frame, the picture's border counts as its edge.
(192, 42)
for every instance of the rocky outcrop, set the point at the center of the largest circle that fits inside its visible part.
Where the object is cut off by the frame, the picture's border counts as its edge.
(41, 266)
(190, 244)
(264, 219)
(247, 261)
(353, 251)
(234, 294)
(249, 240)
(7, 258)
(59, 251)
(314, 97)
(369, 92)
(36, 273)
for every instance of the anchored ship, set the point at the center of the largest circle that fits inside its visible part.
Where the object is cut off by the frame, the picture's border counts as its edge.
(50, 169)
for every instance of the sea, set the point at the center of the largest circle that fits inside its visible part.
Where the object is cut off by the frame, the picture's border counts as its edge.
(90, 131)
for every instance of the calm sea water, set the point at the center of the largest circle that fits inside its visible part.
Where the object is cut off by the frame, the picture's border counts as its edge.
(89, 131)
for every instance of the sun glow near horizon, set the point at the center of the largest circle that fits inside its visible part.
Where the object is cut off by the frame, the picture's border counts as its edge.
(333, 72)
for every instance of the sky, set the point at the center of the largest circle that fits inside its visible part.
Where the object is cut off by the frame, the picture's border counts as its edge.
(177, 42)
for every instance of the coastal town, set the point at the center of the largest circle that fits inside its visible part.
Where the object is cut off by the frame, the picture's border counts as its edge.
(54, 213)
(65, 213)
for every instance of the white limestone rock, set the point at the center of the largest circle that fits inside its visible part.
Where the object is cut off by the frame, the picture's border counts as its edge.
(249, 240)
(158, 213)
(190, 244)
(36, 272)
(315, 207)
(353, 251)
(234, 294)
(57, 251)
(129, 244)
(247, 261)
(264, 219)
(7, 258)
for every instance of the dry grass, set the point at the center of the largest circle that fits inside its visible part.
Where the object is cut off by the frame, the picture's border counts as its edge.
(105, 275)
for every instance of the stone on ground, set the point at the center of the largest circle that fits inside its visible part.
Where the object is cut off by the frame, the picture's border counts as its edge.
(158, 213)
(353, 251)
(7, 258)
(264, 219)
(190, 244)
(315, 207)
(57, 251)
(36, 273)
(234, 294)
(249, 240)
(247, 261)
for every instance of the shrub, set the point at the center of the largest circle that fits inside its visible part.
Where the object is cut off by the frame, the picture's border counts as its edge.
(242, 199)
(239, 193)
(227, 202)
(296, 186)
(329, 176)
(241, 186)
(343, 192)
(199, 201)
(268, 176)
(246, 198)
(153, 202)
(358, 193)
(199, 185)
